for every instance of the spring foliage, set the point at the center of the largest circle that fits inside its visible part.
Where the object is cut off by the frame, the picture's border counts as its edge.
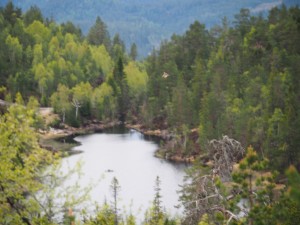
(241, 81)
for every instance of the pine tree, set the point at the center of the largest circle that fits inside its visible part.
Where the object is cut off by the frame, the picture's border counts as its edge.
(34, 13)
(121, 89)
(133, 52)
(115, 188)
(98, 34)
(157, 208)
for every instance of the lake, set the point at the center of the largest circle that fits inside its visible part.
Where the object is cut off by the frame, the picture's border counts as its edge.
(128, 156)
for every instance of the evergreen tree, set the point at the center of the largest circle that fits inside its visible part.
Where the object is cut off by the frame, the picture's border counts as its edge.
(156, 215)
(118, 48)
(34, 13)
(242, 21)
(70, 28)
(157, 207)
(115, 188)
(11, 13)
(264, 204)
(98, 34)
(133, 52)
(121, 89)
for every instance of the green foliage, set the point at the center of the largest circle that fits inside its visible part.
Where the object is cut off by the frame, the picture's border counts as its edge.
(102, 59)
(57, 198)
(69, 27)
(157, 208)
(60, 101)
(82, 93)
(34, 13)
(252, 198)
(98, 34)
(132, 20)
(105, 215)
(104, 102)
(39, 32)
(258, 188)
(204, 220)
(240, 81)
(14, 51)
(133, 52)
(294, 182)
(22, 162)
(11, 13)
(136, 77)
(33, 105)
(120, 86)
(155, 215)
(115, 188)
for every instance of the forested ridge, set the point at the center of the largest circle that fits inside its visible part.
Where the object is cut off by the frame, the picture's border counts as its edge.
(145, 22)
(225, 95)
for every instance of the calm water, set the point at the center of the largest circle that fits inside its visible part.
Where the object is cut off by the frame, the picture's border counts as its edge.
(130, 158)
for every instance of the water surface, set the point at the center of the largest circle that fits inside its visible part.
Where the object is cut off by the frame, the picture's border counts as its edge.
(129, 157)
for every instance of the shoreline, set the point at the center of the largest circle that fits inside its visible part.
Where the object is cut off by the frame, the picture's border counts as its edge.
(166, 136)
(49, 139)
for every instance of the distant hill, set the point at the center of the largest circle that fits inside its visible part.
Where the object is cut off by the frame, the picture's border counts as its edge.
(146, 22)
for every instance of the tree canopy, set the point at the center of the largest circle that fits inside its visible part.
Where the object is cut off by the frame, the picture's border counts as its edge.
(212, 91)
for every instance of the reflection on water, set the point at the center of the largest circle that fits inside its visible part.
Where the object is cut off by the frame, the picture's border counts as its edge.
(126, 155)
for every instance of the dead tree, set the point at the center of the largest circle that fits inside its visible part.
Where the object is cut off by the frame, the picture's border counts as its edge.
(64, 114)
(203, 196)
(225, 153)
(77, 105)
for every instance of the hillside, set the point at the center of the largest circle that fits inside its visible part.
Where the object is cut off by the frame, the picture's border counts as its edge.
(217, 97)
(145, 22)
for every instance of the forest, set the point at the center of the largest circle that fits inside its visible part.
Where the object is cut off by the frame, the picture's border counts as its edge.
(228, 98)
(145, 22)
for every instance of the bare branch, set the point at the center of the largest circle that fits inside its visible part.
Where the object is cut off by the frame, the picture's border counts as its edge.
(225, 153)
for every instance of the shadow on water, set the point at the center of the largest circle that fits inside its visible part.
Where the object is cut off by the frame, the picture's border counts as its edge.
(119, 129)
(68, 139)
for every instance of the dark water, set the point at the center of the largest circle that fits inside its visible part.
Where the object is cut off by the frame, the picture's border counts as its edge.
(128, 156)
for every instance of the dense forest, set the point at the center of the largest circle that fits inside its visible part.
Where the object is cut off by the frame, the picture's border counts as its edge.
(145, 23)
(225, 95)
